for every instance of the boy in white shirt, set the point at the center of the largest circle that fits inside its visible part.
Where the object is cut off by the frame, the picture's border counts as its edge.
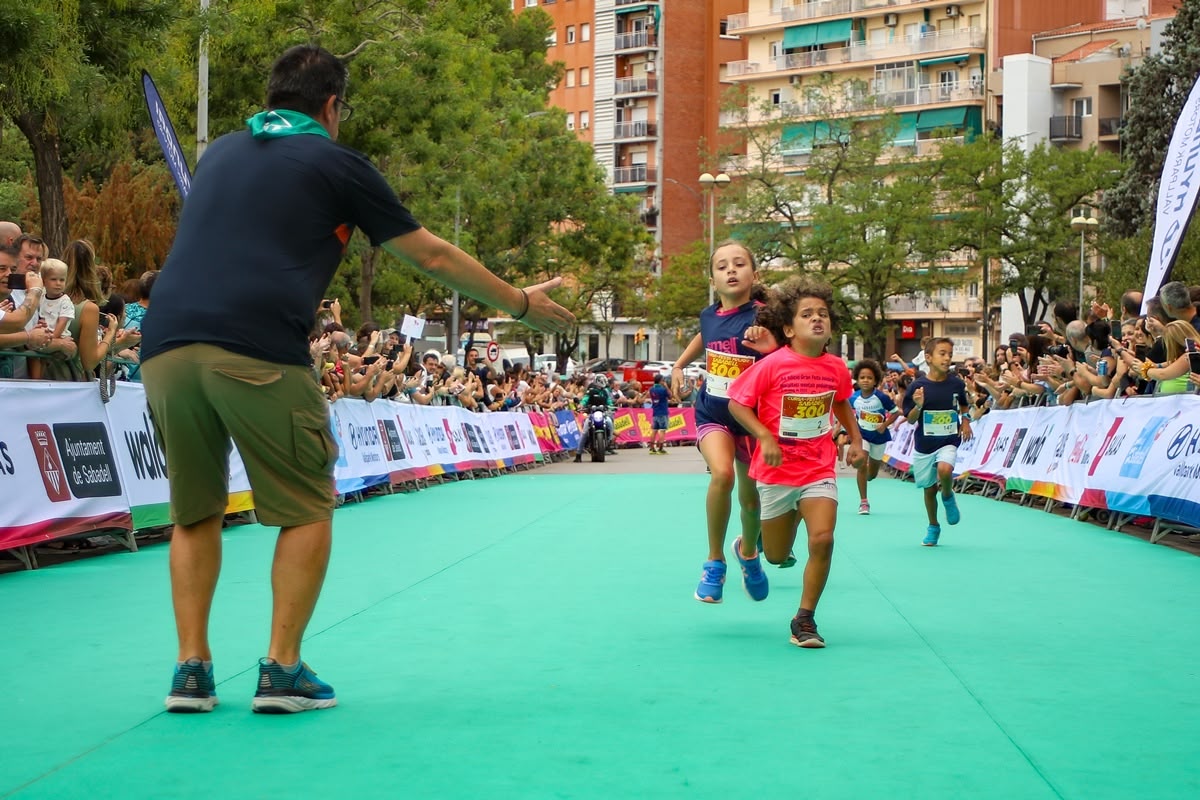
(55, 311)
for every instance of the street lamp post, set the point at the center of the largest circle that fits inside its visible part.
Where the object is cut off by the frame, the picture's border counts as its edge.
(1083, 224)
(711, 183)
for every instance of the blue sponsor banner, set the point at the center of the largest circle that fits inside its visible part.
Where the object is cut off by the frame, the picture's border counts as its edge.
(165, 131)
(568, 429)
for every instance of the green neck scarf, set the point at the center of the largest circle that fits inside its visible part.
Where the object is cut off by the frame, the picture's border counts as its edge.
(283, 122)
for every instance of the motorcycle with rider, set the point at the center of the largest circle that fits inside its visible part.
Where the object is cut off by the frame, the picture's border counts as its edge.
(597, 434)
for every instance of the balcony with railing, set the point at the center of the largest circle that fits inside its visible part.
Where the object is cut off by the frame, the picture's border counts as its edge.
(783, 13)
(629, 86)
(858, 52)
(635, 130)
(638, 40)
(920, 305)
(638, 173)
(1066, 129)
(1110, 126)
(620, 3)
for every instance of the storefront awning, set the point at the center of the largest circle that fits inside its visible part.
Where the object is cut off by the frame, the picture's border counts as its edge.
(799, 36)
(906, 134)
(836, 32)
(937, 118)
(958, 59)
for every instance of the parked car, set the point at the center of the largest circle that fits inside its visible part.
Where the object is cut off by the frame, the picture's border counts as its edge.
(603, 364)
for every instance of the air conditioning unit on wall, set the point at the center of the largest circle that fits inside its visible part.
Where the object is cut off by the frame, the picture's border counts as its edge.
(794, 80)
(891, 20)
(953, 11)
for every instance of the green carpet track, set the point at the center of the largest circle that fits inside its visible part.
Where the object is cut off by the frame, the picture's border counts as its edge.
(535, 636)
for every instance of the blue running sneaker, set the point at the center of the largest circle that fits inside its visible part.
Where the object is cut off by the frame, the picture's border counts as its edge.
(754, 580)
(932, 535)
(952, 512)
(193, 689)
(712, 582)
(285, 692)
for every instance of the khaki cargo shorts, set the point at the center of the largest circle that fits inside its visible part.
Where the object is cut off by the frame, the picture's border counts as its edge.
(202, 396)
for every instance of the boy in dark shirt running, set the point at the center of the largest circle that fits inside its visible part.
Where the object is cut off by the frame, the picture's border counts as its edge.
(937, 404)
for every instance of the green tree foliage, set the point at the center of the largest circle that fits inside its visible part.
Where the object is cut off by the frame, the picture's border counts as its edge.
(1015, 210)
(1157, 88)
(70, 81)
(676, 296)
(849, 211)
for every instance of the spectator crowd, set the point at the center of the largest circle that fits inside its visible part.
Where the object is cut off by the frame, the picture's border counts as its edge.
(62, 319)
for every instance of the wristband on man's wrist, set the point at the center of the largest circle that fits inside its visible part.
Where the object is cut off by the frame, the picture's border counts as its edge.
(524, 307)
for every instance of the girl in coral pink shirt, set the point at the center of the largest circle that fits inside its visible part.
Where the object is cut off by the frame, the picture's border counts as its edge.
(787, 401)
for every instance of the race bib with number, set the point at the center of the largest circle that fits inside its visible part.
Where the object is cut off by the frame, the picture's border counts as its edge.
(723, 369)
(869, 419)
(805, 416)
(940, 423)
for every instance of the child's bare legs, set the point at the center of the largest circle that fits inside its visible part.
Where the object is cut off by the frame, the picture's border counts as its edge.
(779, 535)
(34, 367)
(931, 506)
(820, 516)
(868, 470)
(748, 502)
(718, 451)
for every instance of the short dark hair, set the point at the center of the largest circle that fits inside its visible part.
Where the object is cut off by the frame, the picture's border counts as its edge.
(1066, 311)
(303, 78)
(28, 238)
(872, 365)
(1131, 303)
(933, 341)
(1154, 308)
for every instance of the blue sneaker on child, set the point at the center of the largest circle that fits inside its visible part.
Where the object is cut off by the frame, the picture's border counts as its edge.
(932, 535)
(193, 689)
(952, 512)
(286, 691)
(712, 582)
(754, 580)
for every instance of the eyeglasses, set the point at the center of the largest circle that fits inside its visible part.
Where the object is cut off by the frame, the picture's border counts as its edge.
(346, 111)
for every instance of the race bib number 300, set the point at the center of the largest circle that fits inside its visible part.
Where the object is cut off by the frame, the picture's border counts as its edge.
(723, 369)
(805, 416)
(939, 423)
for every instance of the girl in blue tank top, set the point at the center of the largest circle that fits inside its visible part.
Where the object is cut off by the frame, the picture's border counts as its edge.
(731, 340)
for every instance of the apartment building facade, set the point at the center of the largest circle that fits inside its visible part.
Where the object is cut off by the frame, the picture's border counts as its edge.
(1065, 88)
(643, 85)
(929, 62)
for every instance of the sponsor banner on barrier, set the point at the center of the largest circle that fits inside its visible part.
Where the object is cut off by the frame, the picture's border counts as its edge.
(631, 425)
(143, 465)
(568, 429)
(423, 441)
(1135, 455)
(58, 467)
(545, 427)
(362, 459)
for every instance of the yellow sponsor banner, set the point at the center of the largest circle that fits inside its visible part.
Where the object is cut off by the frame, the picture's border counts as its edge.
(676, 422)
(622, 423)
